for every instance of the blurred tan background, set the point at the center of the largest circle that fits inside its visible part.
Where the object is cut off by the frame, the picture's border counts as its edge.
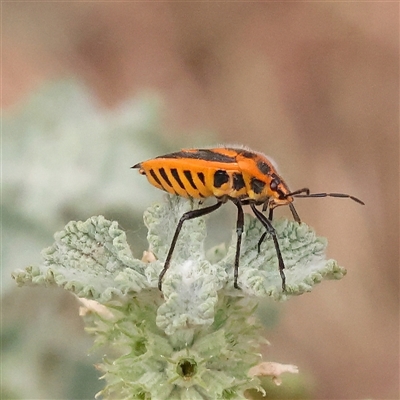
(314, 85)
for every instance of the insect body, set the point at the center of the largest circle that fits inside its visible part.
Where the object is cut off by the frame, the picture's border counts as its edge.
(240, 175)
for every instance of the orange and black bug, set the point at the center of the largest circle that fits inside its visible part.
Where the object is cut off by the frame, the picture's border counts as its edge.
(240, 175)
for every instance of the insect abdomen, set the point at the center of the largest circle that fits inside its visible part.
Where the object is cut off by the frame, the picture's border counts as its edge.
(174, 178)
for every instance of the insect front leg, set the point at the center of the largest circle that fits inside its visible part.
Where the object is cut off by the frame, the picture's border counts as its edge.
(264, 235)
(270, 229)
(188, 215)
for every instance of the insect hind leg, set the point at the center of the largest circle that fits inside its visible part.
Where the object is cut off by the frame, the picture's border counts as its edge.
(187, 216)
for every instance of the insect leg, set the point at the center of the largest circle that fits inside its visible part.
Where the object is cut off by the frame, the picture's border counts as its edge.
(270, 229)
(188, 215)
(263, 236)
(239, 232)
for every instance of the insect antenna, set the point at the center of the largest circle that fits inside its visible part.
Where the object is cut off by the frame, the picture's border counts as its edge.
(305, 192)
(297, 193)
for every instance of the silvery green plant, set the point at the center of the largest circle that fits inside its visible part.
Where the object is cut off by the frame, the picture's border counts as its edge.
(49, 172)
(199, 337)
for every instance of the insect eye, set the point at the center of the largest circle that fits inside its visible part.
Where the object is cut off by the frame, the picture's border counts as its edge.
(274, 184)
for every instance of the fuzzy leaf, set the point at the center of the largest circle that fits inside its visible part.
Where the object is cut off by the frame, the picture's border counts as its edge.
(303, 254)
(89, 259)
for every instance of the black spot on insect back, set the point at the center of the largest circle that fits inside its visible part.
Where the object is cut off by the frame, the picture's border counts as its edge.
(247, 154)
(210, 155)
(220, 177)
(238, 181)
(263, 167)
(201, 154)
(256, 185)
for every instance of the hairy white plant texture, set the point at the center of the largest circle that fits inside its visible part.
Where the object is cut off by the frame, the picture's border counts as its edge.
(198, 338)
